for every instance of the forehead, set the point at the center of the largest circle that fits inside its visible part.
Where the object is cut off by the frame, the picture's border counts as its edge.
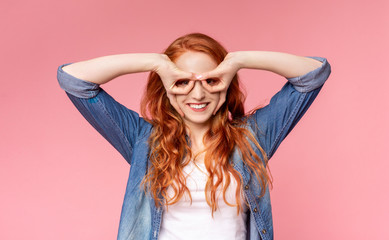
(195, 62)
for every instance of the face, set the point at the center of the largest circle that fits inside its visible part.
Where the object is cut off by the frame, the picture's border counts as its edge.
(199, 104)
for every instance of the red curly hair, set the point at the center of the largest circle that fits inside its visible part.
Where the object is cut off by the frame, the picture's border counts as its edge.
(170, 151)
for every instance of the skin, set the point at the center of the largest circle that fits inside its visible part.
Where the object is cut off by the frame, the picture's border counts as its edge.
(197, 63)
(197, 122)
(197, 70)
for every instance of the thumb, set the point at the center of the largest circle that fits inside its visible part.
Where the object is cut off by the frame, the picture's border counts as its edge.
(186, 75)
(206, 75)
(215, 79)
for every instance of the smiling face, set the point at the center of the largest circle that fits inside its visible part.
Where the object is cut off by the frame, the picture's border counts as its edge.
(199, 104)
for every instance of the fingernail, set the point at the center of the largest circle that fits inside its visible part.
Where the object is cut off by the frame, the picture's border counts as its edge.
(198, 76)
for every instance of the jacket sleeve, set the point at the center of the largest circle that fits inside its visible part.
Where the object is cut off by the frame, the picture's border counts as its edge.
(272, 123)
(116, 123)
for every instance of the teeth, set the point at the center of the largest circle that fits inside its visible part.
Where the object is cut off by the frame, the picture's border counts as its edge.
(197, 106)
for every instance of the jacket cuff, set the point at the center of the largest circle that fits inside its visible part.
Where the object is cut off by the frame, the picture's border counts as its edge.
(314, 79)
(75, 86)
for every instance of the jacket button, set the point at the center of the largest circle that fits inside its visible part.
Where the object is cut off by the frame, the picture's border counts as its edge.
(263, 231)
(255, 210)
(246, 187)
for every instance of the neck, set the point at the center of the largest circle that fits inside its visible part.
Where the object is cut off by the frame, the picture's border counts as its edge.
(196, 134)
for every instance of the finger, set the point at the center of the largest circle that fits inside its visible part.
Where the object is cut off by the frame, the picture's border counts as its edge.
(199, 76)
(214, 73)
(182, 89)
(221, 101)
(204, 75)
(182, 75)
(186, 75)
(220, 86)
(173, 102)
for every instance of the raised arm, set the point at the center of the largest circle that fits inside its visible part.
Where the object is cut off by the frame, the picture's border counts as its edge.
(116, 123)
(103, 69)
(284, 64)
(305, 76)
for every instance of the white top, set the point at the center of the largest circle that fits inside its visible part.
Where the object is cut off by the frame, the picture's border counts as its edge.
(184, 220)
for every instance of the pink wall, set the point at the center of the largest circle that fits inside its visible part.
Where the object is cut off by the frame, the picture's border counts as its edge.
(60, 180)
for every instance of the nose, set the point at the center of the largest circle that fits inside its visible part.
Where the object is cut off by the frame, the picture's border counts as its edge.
(198, 91)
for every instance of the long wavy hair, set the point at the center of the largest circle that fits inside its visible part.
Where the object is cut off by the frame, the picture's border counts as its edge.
(169, 148)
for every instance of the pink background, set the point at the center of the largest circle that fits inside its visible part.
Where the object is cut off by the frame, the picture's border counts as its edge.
(59, 179)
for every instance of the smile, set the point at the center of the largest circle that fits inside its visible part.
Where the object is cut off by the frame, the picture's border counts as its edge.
(199, 107)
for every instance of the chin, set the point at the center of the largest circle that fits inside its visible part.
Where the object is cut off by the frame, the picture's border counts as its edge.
(198, 120)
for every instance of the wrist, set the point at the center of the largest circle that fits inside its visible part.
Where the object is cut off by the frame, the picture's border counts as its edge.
(159, 61)
(250, 59)
(236, 60)
(156, 60)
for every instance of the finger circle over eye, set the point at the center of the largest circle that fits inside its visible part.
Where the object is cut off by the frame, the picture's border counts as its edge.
(205, 85)
(182, 88)
(213, 88)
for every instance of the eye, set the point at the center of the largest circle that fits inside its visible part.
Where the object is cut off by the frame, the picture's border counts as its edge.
(212, 81)
(182, 83)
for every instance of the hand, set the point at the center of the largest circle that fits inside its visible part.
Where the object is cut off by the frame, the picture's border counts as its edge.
(219, 79)
(174, 80)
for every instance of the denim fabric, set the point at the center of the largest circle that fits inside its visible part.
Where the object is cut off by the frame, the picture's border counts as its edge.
(129, 134)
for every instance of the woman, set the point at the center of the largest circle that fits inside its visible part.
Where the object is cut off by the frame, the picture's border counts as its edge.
(198, 163)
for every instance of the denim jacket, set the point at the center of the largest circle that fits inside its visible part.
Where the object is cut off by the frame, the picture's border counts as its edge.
(129, 133)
